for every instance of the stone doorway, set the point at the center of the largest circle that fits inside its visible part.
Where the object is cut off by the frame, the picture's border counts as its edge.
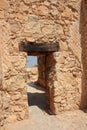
(36, 84)
(46, 66)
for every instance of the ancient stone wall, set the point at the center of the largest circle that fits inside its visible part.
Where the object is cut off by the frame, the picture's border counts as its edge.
(64, 68)
(32, 74)
(41, 21)
(67, 61)
(14, 96)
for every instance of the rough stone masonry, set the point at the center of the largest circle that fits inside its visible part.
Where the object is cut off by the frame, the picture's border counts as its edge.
(45, 21)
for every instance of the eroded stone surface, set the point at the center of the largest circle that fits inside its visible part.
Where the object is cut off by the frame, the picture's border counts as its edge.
(43, 21)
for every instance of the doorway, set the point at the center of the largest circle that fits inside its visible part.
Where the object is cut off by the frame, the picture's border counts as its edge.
(46, 70)
(36, 87)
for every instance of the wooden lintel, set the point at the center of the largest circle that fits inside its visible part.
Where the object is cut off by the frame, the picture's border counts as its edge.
(36, 53)
(39, 47)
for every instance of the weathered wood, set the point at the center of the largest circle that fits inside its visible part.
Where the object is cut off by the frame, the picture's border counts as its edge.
(39, 47)
(36, 53)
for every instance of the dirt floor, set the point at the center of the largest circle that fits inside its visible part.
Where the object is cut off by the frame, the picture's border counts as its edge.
(39, 119)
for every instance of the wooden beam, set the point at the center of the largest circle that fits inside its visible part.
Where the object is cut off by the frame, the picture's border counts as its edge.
(36, 53)
(32, 47)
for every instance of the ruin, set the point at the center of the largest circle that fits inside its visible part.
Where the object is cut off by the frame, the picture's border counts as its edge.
(48, 22)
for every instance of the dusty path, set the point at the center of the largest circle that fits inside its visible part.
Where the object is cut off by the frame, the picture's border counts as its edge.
(40, 120)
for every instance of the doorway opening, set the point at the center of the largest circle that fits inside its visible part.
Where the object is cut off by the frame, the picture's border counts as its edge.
(32, 68)
(36, 89)
(46, 73)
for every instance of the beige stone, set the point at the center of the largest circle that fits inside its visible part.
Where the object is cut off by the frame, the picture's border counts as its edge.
(4, 4)
(16, 96)
(2, 14)
(62, 73)
(42, 10)
(67, 13)
(15, 27)
(12, 119)
(64, 46)
(47, 30)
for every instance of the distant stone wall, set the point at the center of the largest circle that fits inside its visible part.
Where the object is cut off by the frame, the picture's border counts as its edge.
(32, 74)
(42, 21)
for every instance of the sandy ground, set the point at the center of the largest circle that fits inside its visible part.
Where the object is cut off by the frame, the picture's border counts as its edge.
(39, 119)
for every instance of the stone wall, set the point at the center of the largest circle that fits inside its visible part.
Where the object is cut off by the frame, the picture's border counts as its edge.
(64, 68)
(14, 96)
(42, 21)
(32, 74)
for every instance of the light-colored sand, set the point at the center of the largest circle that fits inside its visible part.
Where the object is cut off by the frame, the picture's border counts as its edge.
(40, 120)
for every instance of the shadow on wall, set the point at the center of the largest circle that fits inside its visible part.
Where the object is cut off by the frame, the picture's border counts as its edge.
(83, 31)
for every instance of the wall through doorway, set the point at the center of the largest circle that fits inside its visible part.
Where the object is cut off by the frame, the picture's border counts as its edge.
(32, 68)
